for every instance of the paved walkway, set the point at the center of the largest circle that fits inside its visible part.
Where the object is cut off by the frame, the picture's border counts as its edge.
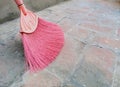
(90, 57)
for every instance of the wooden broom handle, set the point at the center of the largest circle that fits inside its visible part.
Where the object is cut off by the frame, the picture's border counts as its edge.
(21, 6)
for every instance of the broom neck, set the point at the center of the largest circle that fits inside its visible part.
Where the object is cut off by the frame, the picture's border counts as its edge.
(23, 9)
(21, 6)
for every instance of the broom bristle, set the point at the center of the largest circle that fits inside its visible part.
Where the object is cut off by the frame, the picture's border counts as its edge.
(43, 45)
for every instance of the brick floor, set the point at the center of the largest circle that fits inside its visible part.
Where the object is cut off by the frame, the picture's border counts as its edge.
(90, 57)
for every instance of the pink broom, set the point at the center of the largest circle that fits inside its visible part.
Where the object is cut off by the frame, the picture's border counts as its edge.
(42, 40)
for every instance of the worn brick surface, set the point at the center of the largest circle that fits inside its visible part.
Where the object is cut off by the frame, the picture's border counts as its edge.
(88, 75)
(103, 59)
(11, 54)
(52, 15)
(79, 33)
(66, 24)
(118, 32)
(116, 78)
(107, 41)
(96, 27)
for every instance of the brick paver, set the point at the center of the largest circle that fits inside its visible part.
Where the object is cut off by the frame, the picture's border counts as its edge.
(103, 59)
(90, 57)
(107, 41)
